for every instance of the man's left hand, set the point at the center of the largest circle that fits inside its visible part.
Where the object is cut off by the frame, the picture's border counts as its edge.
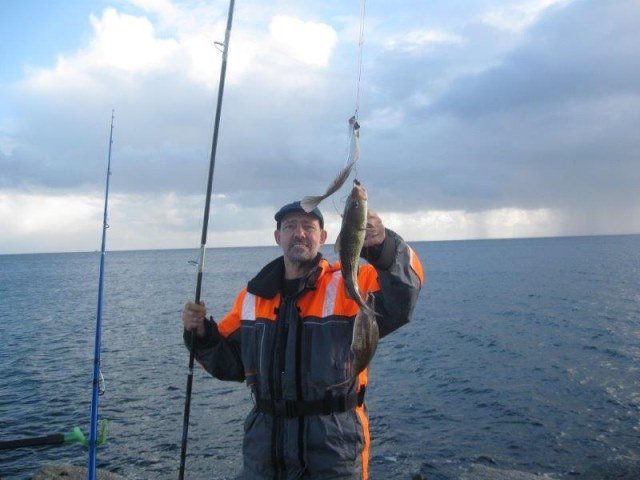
(375, 230)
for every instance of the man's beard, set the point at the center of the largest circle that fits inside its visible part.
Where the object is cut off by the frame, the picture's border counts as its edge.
(301, 257)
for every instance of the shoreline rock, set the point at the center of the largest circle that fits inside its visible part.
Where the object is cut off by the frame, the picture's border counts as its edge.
(72, 472)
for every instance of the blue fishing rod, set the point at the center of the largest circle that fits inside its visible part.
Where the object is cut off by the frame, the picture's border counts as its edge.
(203, 242)
(97, 375)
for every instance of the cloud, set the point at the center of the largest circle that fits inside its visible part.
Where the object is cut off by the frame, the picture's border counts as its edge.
(544, 128)
(309, 42)
(28, 218)
(519, 118)
(420, 40)
(164, 98)
(517, 17)
(127, 43)
(460, 224)
(122, 45)
(561, 61)
(74, 222)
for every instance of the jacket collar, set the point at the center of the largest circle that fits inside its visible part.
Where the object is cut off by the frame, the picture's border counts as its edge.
(269, 281)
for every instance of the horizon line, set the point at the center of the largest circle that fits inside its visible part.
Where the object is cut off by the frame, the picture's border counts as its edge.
(542, 237)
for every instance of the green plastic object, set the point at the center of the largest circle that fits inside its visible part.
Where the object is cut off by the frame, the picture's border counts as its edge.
(76, 435)
(102, 436)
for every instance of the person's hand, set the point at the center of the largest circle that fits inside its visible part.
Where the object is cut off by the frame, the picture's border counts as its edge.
(193, 317)
(375, 230)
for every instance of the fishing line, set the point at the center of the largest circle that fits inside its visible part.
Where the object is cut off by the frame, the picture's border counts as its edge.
(354, 125)
(309, 202)
(363, 4)
(353, 137)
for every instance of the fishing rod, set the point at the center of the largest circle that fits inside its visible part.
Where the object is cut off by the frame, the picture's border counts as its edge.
(74, 435)
(98, 383)
(203, 243)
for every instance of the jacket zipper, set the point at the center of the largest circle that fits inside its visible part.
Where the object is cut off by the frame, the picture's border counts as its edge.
(277, 372)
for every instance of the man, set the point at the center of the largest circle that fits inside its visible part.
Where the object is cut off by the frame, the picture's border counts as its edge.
(288, 336)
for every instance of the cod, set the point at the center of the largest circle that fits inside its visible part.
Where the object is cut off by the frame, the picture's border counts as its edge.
(350, 241)
(349, 245)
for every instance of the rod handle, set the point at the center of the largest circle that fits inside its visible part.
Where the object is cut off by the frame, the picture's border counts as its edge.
(55, 439)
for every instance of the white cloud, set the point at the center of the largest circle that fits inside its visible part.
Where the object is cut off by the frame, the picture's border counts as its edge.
(41, 222)
(164, 8)
(308, 42)
(125, 46)
(122, 45)
(459, 224)
(74, 222)
(127, 43)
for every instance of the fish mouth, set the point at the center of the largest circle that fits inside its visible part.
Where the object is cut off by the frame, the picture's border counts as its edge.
(358, 193)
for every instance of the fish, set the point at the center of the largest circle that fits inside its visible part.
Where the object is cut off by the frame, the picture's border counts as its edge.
(310, 202)
(365, 337)
(350, 241)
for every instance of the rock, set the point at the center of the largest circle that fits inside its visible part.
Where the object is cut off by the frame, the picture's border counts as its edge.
(483, 472)
(71, 472)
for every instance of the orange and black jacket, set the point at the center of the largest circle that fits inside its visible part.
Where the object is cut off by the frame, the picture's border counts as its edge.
(292, 347)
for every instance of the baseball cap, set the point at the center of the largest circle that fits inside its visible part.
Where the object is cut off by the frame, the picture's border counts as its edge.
(295, 207)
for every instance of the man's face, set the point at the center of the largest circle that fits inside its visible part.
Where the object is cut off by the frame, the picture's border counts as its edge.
(300, 237)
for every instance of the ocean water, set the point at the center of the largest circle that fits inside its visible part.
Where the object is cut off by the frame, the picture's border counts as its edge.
(522, 354)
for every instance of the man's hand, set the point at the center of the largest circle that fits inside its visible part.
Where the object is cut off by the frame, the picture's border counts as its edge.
(375, 230)
(193, 317)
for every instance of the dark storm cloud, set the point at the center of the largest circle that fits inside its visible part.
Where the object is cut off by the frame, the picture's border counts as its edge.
(552, 125)
(584, 50)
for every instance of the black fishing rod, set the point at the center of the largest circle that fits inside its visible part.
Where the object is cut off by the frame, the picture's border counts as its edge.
(74, 435)
(97, 375)
(203, 243)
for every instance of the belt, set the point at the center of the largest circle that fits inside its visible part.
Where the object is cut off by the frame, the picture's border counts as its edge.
(303, 408)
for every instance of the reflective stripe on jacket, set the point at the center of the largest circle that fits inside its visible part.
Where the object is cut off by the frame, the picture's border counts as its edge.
(297, 347)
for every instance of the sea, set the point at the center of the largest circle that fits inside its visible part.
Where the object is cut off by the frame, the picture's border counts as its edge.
(522, 355)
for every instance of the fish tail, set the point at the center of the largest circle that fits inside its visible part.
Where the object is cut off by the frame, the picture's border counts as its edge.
(310, 202)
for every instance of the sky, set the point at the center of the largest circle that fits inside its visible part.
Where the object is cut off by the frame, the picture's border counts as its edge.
(479, 119)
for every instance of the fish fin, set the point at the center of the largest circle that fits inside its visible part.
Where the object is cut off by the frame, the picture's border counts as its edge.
(370, 305)
(336, 247)
(310, 202)
(369, 311)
